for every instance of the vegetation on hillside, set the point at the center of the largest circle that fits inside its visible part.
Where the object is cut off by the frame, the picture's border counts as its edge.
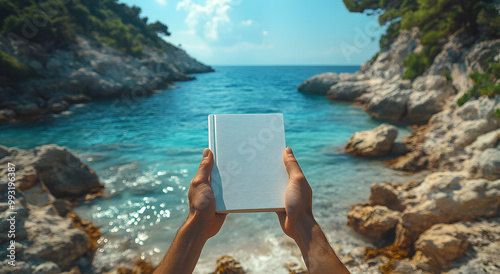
(436, 19)
(486, 83)
(116, 24)
(11, 68)
(57, 24)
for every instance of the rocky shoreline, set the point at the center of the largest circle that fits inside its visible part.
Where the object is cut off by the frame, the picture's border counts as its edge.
(85, 70)
(49, 237)
(450, 220)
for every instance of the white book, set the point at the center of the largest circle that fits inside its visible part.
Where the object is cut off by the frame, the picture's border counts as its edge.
(248, 173)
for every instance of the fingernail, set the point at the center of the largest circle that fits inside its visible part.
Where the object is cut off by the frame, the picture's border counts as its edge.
(289, 150)
(205, 152)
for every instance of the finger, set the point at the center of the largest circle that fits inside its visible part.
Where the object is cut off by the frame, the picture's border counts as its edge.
(291, 164)
(205, 167)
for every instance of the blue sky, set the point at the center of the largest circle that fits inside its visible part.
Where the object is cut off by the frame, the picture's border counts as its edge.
(266, 32)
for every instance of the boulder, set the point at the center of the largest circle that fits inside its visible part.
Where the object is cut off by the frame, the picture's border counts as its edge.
(50, 238)
(47, 268)
(443, 243)
(388, 103)
(445, 197)
(372, 221)
(454, 136)
(487, 140)
(429, 82)
(6, 115)
(422, 105)
(63, 173)
(57, 105)
(486, 164)
(450, 54)
(411, 209)
(54, 239)
(373, 143)
(484, 247)
(228, 265)
(385, 194)
(399, 148)
(472, 129)
(295, 268)
(348, 91)
(319, 84)
(478, 55)
(19, 268)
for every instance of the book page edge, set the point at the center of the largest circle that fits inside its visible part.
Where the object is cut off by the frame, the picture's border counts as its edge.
(255, 210)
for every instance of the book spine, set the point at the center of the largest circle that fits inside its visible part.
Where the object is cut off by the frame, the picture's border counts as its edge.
(211, 133)
(215, 179)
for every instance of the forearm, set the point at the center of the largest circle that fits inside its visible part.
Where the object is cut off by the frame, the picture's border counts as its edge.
(185, 250)
(316, 251)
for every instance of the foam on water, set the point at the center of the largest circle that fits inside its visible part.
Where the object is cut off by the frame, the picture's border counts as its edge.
(146, 152)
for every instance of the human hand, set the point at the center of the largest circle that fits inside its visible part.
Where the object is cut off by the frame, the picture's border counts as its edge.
(298, 222)
(201, 224)
(298, 214)
(202, 200)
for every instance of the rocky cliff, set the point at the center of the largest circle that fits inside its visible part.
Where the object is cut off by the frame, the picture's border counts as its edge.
(84, 70)
(448, 221)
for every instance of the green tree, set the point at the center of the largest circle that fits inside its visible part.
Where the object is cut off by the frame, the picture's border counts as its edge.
(436, 19)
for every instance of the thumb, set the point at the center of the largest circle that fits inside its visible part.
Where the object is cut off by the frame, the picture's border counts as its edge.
(291, 164)
(205, 167)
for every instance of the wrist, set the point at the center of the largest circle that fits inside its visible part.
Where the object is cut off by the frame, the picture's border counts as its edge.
(304, 228)
(193, 227)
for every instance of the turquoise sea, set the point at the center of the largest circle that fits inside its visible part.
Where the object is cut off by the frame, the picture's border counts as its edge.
(146, 149)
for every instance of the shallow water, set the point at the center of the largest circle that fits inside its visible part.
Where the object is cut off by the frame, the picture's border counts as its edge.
(146, 149)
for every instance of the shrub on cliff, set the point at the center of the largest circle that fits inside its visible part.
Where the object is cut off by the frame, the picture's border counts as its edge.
(416, 64)
(484, 84)
(436, 19)
(11, 68)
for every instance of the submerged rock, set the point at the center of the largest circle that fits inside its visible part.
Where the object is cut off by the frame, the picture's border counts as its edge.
(294, 268)
(228, 265)
(373, 143)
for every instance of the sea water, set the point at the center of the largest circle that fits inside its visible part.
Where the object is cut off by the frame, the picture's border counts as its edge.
(146, 149)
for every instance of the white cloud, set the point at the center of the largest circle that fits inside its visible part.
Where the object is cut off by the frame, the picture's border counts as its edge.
(246, 46)
(206, 19)
(265, 33)
(162, 2)
(247, 22)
